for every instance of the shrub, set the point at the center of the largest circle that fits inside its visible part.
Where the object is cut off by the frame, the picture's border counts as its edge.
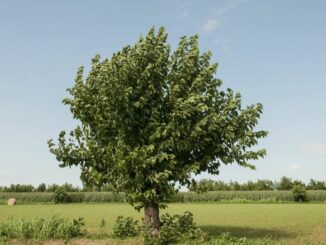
(125, 227)
(41, 228)
(61, 196)
(299, 193)
(175, 229)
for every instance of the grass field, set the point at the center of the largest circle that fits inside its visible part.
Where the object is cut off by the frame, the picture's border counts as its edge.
(284, 223)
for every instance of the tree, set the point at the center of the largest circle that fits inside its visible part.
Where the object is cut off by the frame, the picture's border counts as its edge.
(264, 184)
(150, 119)
(41, 187)
(316, 185)
(285, 183)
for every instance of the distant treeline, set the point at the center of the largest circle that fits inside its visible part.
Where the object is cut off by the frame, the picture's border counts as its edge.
(284, 183)
(52, 188)
(204, 185)
(315, 196)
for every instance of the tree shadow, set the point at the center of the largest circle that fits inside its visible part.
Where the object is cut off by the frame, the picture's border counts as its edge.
(239, 231)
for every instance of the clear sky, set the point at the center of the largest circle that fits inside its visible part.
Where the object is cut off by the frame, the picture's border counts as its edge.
(272, 52)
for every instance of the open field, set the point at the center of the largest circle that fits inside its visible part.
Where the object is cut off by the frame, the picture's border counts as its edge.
(285, 223)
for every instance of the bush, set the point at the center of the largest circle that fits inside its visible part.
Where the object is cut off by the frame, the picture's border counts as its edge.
(174, 229)
(125, 227)
(41, 228)
(61, 196)
(299, 193)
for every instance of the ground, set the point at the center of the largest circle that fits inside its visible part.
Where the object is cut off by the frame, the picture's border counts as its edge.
(284, 223)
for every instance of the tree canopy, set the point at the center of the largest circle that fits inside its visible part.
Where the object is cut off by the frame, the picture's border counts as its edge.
(150, 119)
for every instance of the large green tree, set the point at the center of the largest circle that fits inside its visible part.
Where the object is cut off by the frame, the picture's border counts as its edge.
(150, 120)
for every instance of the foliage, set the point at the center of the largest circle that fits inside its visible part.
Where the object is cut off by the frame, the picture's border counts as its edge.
(74, 197)
(149, 120)
(200, 186)
(236, 197)
(41, 228)
(41, 187)
(284, 183)
(17, 188)
(299, 193)
(316, 185)
(102, 224)
(125, 227)
(26, 197)
(102, 231)
(61, 196)
(175, 229)
(94, 188)
(211, 185)
(53, 188)
(66, 186)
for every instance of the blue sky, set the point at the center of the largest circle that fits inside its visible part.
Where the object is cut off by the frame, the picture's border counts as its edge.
(272, 52)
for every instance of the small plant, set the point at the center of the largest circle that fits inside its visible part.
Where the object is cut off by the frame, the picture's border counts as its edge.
(76, 227)
(125, 227)
(102, 224)
(102, 233)
(299, 193)
(61, 196)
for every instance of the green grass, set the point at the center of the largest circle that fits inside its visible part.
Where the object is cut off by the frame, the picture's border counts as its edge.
(285, 223)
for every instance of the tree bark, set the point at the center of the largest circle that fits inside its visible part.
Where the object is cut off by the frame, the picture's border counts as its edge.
(152, 217)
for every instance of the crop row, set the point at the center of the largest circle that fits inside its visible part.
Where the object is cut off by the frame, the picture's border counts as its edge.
(182, 197)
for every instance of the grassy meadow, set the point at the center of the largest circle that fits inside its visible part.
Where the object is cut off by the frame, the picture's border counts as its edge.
(282, 223)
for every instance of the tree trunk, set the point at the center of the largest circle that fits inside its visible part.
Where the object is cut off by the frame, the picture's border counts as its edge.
(152, 217)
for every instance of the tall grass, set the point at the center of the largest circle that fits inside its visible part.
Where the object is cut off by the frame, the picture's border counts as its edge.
(27, 197)
(74, 197)
(235, 196)
(246, 196)
(182, 197)
(41, 228)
